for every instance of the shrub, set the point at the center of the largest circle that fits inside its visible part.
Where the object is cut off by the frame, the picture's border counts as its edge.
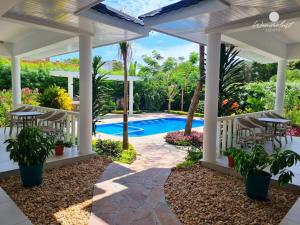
(56, 97)
(193, 156)
(114, 150)
(183, 113)
(295, 131)
(178, 138)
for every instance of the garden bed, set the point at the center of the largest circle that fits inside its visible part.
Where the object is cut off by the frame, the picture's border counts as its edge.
(65, 197)
(198, 195)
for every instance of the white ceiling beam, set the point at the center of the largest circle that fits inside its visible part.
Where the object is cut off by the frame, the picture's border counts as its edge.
(293, 51)
(5, 49)
(247, 23)
(36, 40)
(206, 6)
(6, 5)
(113, 21)
(259, 41)
(45, 24)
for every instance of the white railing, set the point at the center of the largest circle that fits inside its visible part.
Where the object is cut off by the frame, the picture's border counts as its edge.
(72, 121)
(227, 130)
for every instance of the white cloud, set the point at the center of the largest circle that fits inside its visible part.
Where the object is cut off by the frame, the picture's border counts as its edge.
(174, 51)
(138, 7)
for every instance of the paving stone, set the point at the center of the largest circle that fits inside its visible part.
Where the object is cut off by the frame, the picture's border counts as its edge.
(134, 194)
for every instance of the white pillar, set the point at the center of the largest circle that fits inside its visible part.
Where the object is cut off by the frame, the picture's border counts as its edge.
(70, 86)
(131, 100)
(85, 92)
(211, 97)
(16, 80)
(280, 87)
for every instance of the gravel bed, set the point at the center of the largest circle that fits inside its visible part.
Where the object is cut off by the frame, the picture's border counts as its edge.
(65, 196)
(200, 196)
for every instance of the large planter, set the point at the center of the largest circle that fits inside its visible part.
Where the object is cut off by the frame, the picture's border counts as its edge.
(59, 150)
(31, 175)
(257, 186)
(230, 161)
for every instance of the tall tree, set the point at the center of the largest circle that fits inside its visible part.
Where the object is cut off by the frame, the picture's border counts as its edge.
(197, 92)
(125, 53)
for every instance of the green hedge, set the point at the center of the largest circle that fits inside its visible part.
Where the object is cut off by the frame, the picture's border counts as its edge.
(183, 113)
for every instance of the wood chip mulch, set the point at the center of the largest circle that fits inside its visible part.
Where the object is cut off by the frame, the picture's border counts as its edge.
(65, 197)
(202, 196)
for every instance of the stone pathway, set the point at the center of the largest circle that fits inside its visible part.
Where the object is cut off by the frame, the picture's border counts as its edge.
(134, 194)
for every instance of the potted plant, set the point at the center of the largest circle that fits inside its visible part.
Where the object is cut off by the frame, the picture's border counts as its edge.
(229, 152)
(59, 147)
(68, 144)
(30, 149)
(252, 166)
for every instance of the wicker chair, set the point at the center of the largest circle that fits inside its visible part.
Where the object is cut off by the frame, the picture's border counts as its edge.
(247, 133)
(283, 128)
(54, 124)
(267, 131)
(15, 121)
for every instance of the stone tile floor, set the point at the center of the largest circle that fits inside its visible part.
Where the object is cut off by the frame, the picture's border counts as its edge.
(134, 194)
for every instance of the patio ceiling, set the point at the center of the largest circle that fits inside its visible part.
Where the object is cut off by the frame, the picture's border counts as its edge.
(36, 29)
(193, 19)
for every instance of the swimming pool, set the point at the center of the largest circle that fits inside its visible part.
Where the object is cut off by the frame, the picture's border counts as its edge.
(147, 127)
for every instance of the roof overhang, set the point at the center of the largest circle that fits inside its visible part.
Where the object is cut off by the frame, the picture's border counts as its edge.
(192, 20)
(36, 29)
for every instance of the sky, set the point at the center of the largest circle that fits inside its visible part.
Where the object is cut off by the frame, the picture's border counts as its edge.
(165, 45)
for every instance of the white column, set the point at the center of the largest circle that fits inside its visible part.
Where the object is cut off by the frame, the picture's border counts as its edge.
(280, 87)
(211, 97)
(16, 80)
(70, 86)
(85, 92)
(131, 100)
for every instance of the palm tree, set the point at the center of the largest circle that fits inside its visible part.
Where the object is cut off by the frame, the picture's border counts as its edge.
(197, 92)
(231, 76)
(101, 100)
(125, 54)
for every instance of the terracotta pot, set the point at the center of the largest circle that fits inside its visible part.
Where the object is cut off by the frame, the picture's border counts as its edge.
(59, 150)
(230, 161)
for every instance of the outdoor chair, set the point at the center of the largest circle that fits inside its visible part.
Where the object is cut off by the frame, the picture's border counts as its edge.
(267, 131)
(247, 133)
(54, 124)
(283, 128)
(14, 121)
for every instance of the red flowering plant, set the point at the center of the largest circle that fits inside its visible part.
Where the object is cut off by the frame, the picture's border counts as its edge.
(178, 138)
(294, 131)
(230, 106)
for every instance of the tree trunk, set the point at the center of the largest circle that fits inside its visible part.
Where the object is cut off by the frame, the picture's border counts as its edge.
(125, 112)
(197, 92)
(182, 99)
(169, 105)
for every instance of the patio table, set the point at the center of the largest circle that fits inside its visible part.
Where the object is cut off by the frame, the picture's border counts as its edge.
(275, 122)
(26, 115)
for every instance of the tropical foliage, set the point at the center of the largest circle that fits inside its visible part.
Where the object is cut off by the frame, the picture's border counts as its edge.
(56, 97)
(102, 102)
(231, 79)
(114, 150)
(28, 95)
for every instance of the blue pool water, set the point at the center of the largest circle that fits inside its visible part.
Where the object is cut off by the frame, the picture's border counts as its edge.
(147, 127)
